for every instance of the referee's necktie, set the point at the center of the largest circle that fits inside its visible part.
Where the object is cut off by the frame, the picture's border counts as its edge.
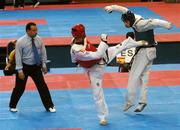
(35, 51)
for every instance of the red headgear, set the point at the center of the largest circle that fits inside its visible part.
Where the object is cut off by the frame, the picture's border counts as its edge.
(78, 31)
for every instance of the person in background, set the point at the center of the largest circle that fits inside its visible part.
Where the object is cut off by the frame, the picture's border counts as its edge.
(30, 62)
(19, 4)
(2, 4)
(10, 61)
(35, 3)
(125, 58)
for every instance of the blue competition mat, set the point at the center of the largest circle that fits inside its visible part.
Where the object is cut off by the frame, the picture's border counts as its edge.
(75, 109)
(59, 22)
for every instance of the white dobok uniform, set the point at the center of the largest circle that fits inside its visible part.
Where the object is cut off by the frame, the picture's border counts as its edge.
(94, 61)
(143, 60)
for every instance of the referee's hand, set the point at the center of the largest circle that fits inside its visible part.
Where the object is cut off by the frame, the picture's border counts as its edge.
(44, 69)
(21, 75)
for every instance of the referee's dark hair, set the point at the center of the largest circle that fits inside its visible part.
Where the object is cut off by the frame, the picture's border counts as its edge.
(28, 25)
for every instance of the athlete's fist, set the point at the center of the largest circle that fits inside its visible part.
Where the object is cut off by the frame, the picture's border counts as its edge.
(104, 37)
(108, 9)
(169, 26)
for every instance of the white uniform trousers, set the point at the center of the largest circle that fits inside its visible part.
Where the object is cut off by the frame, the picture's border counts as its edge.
(95, 75)
(139, 74)
(96, 72)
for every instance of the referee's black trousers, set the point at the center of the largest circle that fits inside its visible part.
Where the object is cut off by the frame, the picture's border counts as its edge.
(36, 74)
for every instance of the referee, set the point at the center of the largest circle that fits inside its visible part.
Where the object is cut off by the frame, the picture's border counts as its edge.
(31, 61)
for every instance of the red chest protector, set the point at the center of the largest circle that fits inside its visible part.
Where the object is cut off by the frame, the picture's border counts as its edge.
(89, 63)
